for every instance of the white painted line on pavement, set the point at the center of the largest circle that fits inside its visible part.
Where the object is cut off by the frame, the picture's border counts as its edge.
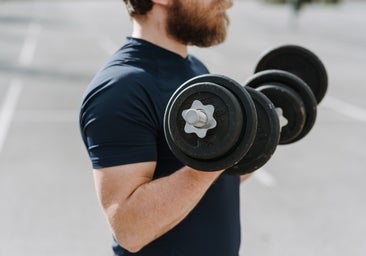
(8, 108)
(345, 108)
(26, 57)
(264, 178)
(46, 116)
(30, 44)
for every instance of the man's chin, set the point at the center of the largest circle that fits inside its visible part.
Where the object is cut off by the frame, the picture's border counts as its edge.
(209, 43)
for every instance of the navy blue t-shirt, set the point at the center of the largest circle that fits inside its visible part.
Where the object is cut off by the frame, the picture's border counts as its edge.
(121, 122)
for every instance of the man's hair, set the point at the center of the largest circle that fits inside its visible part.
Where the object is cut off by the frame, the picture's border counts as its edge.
(138, 7)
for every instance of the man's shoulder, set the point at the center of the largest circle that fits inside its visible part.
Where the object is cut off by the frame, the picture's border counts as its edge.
(119, 79)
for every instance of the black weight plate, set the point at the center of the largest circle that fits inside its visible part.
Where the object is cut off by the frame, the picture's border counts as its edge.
(227, 113)
(299, 61)
(292, 106)
(266, 138)
(269, 77)
(247, 133)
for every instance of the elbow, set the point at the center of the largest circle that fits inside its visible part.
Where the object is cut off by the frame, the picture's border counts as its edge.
(126, 231)
(129, 243)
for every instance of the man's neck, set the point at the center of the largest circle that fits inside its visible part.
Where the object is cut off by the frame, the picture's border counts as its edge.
(155, 32)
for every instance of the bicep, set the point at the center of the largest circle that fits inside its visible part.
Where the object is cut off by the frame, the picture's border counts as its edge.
(118, 128)
(114, 185)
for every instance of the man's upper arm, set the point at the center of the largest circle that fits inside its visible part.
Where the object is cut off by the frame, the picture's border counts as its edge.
(114, 185)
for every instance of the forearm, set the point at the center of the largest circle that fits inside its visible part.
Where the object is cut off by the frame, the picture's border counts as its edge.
(157, 206)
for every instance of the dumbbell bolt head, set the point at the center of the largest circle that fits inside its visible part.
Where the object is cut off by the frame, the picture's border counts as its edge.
(199, 119)
(283, 120)
(196, 117)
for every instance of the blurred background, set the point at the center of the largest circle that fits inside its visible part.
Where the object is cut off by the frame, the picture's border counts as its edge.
(308, 200)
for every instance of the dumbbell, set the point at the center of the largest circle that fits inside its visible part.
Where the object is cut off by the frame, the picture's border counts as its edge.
(295, 81)
(211, 121)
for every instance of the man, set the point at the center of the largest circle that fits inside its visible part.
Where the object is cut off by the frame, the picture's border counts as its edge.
(155, 206)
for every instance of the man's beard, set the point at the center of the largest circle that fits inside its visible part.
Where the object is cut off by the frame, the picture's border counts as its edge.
(195, 26)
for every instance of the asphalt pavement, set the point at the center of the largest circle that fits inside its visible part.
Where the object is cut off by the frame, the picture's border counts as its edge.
(308, 200)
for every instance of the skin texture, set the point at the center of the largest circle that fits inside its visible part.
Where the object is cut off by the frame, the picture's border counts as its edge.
(138, 208)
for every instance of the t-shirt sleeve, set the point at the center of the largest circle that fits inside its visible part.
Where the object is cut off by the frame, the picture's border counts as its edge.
(119, 125)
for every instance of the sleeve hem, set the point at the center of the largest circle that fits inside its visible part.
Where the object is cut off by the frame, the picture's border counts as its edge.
(116, 161)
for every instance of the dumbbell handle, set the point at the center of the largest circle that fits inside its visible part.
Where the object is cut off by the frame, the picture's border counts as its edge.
(198, 118)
